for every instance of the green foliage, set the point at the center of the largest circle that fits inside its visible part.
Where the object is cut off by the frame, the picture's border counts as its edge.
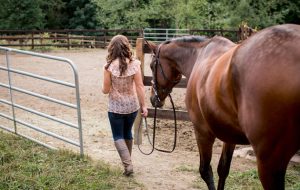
(261, 13)
(26, 165)
(133, 14)
(54, 14)
(25, 14)
(115, 14)
(160, 13)
(81, 14)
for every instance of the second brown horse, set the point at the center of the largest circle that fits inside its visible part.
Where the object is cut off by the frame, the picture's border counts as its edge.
(242, 94)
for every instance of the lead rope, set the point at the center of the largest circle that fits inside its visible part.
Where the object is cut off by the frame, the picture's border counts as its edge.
(154, 131)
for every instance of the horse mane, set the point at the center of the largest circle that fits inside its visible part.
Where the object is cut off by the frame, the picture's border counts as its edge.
(187, 39)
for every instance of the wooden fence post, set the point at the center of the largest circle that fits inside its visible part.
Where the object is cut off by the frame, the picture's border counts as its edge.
(32, 40)
(104, 40)
(140, 56)
(41, 38)
(68, 40)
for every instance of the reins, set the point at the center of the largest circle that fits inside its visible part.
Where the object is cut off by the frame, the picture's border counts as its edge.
(157, 63)
(154, 131)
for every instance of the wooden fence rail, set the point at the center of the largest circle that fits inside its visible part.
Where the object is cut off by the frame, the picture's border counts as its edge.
(94, 38)
(65, 38)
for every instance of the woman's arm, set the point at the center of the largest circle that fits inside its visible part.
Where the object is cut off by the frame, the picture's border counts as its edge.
(140, 92)
(106, 85)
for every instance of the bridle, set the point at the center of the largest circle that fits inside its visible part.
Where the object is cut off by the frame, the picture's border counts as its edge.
(157, 65)
(164, 90)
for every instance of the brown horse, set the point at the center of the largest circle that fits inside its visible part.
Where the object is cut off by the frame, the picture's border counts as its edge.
(241, 94)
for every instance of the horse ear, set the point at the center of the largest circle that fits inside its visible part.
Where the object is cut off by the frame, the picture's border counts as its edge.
(150, 47)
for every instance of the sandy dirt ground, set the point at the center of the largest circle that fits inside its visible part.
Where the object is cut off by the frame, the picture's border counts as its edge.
(178, 170)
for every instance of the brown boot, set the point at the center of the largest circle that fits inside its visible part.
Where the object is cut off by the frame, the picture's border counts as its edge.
(129, 145)
(125, 156)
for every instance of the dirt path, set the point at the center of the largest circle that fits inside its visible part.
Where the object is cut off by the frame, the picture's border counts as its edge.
(178, 170)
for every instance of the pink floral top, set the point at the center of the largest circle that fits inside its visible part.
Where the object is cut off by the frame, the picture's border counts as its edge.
(122, 96)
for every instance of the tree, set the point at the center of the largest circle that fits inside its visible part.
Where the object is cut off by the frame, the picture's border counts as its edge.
(116, 14)
(54, 14)
(81, 14)
(258, 13)
(198, 14)
(161, 13)
(132, 14)
(290, 11)
(22, 15)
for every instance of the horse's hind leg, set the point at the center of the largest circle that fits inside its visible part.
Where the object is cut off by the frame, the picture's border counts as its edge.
(205, 167)
(271, 176)
(224, 164)
(205, 145)
(272, 162)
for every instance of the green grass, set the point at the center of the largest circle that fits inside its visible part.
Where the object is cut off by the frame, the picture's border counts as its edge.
(246, 180)
(26, 165)
(250, 180)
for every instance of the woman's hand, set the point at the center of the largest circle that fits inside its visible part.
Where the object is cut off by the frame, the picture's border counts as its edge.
(144, 111)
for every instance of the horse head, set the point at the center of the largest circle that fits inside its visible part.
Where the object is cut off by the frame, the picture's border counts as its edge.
(164, 73)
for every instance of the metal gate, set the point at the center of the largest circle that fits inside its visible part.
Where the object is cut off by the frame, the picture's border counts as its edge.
(7, 68)
(162, 34)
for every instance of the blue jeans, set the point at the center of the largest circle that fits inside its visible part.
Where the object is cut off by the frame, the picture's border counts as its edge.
(121, 125)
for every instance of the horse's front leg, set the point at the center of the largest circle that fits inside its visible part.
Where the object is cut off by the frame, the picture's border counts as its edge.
(205, 141)
(224, 164)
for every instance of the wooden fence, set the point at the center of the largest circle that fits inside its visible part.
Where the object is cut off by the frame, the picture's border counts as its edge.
(92, 38)
(64, 38)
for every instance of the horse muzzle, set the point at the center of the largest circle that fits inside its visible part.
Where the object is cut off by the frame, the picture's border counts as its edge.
(156, 102)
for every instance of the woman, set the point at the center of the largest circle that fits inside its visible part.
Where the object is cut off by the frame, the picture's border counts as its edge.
(123, 82)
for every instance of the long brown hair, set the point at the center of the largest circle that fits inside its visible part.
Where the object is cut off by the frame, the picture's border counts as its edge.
(119, 48)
